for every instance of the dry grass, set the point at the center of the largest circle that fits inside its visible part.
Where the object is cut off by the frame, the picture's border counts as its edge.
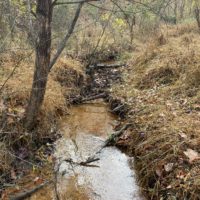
(14, 100)
(161, 85)
(6, 158)
(62, 79)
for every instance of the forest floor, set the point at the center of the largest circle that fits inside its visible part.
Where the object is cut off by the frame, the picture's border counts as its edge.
(158, 92)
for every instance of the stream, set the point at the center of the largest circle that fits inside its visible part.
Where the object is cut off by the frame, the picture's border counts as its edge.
(109, 178)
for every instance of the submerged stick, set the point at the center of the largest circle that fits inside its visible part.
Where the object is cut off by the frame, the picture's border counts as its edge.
(107, 142)
(83, 163)
(28, 193)
(110, 140)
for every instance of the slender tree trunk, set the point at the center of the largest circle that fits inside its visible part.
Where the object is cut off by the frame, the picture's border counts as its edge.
(42, 61)
(175, 11)
(131, 31)
(11, 19)
(182, 9)
(197, 15)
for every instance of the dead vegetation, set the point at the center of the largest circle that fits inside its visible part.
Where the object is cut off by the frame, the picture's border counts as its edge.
(161, 86)
(15, 143)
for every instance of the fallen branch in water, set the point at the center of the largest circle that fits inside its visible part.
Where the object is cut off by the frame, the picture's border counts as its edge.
(28, 193)
(90, 98)
(102, 66)
(112, 139)
(83, 163)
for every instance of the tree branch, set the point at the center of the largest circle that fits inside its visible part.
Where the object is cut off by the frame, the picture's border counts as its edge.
(67, 36)
(72, 2)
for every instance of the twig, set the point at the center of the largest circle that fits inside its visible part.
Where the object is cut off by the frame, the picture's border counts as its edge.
(110, 140)
(11, 74)
(117, 108)
(28, 193)
(114, 136)
(83, 163)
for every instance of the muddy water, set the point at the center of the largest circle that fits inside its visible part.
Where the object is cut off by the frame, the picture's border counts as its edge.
(110, 178)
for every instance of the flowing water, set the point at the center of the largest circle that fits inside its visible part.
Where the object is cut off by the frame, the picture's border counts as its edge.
(109, 178)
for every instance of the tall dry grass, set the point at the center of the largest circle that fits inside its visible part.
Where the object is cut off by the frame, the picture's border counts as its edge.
(161, 86)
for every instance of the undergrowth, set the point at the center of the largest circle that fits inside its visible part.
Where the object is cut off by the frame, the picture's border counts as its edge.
(18, 147)
(161, 86)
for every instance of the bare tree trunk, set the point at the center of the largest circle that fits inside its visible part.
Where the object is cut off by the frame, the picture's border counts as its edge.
(43, 44)
(182, 9)
(131, 31)
(11, 17)
(197, 15)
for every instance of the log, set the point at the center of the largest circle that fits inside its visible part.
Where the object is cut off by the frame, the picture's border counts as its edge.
(103, 66)
(90, 98)
(110, 140)
(98, 96)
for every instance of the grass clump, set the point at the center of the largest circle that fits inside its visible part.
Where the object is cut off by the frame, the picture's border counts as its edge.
(160, 76)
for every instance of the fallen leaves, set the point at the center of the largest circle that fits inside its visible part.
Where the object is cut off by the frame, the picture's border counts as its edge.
(164, 168)
(192, 155)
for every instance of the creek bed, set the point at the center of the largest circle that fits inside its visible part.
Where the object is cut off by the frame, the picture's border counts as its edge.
(109, 178)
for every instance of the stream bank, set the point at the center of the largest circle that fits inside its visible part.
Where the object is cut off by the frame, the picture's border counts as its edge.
(84, 132)
(93, 118)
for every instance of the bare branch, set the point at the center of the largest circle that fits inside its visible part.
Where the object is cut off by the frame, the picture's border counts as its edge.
(67, 36)
(72, 2)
